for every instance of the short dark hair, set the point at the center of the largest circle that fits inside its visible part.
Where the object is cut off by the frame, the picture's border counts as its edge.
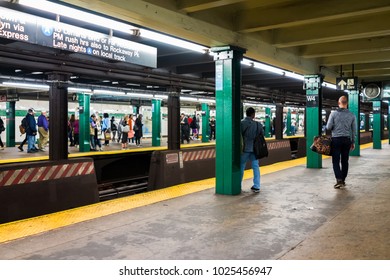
(250, 111)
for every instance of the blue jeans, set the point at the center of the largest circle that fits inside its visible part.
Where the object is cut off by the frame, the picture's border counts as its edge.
(30, 142)
(255, 167)
(340, 152)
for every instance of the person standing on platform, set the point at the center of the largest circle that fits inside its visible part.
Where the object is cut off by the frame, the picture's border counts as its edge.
(125, 128)
(76, 132)
(114, 127)
(2, 128)
(249, 130)
(185, 128)
(212, 128)
(70, 129)
(43, 130)
(342, 123)
(106, 129)
(138, 130)
(31, 131)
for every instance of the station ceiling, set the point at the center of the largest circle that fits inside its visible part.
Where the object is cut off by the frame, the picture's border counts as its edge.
(333, 38)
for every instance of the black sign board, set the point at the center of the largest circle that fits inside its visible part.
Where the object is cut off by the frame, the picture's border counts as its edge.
(347, 83)
(9, 97)
(35, 30)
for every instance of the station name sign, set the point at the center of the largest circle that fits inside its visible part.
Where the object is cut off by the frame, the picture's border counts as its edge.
(28, 28)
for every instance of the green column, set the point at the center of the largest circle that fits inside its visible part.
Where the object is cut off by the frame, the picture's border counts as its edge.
(354, 107)
(205, 123)
(156, 122)
(10, 124)
(84, 114)
(267, 122)
(313, 117)
(288, 123)
(228, 108)
(376, 126)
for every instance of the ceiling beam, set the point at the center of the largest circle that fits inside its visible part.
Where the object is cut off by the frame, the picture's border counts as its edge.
(334, 31)
(191, 6)
(346, 47)
(305, 13)
(355, 59)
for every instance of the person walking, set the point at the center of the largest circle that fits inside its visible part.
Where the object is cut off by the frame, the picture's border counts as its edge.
(342, 123)
(249, 130)
(43, 130)
(31, 131)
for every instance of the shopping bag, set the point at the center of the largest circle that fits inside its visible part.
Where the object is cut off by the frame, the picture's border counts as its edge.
(107, 136)
(322, 145)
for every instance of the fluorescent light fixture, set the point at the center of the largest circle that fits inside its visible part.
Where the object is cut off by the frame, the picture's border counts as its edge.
(251, 104)
(247, 62)
(332, 86)
(26, 85)
(184, 98)
(268, 68)
(84, 90)
(77, 14)
(173, 41)
(140, 95)
(108, 92)
(294, 75)
(160, 96)
(204, 100)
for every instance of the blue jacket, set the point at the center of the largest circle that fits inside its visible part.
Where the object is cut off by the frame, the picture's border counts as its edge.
(249, 130)
(31, 125)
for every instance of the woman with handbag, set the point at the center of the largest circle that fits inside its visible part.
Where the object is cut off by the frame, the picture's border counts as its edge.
(125, 130)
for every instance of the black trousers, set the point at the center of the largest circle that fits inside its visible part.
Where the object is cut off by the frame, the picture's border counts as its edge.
(340, 154)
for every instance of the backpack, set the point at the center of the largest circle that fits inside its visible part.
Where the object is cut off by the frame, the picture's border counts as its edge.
(23, 126)
(260, 147)
(113, 126)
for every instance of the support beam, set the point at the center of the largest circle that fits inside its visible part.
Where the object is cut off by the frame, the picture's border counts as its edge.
(84, 125)
(174, 120)
(58, 107)
(313, 117)
(354, 107)
(10, 124)
(228, 105)
(377, 124)
(156, 122)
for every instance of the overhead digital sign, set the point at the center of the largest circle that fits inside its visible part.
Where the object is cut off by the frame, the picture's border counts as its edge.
(27, 28)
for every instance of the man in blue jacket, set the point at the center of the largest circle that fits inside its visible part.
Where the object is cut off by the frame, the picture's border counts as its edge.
(249, 130)
(31, 131)
(43, 130)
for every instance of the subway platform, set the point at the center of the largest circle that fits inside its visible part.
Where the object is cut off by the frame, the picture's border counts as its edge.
(298, 215)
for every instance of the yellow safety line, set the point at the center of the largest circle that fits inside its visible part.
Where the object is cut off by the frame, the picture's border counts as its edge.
(22, 228)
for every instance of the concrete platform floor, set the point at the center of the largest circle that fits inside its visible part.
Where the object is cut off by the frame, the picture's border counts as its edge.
(297, 215)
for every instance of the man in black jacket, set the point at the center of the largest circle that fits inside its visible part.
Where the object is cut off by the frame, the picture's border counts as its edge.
(31, 131)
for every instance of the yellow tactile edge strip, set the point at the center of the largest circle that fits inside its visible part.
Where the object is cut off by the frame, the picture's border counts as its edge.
(23, 228)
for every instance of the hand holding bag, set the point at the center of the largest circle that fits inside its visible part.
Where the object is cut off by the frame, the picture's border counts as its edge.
(322, 145)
